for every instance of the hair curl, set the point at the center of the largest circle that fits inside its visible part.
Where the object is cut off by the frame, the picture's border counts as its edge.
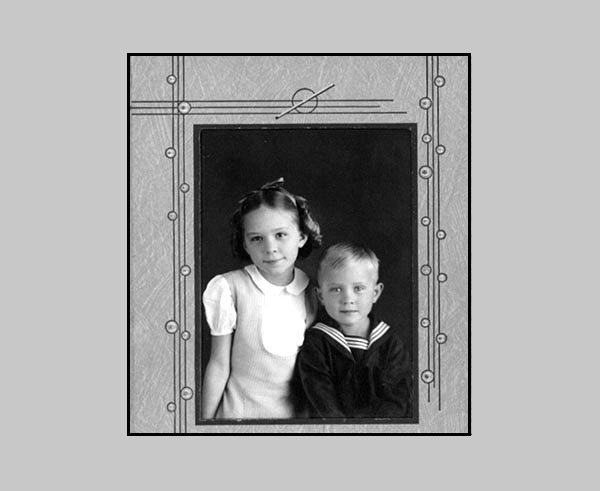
(275, 196)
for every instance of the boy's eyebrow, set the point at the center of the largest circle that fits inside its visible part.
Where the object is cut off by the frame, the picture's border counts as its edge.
(352, 282)
(340, 283)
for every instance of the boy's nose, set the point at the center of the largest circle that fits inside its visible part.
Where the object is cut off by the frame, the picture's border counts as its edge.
(348, 298)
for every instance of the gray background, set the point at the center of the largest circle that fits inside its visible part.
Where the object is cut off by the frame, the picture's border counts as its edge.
(534, 288)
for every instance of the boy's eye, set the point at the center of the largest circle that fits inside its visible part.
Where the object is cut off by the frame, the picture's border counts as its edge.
(335, 289)
(280, 235)
(255, 239)
(359, 288)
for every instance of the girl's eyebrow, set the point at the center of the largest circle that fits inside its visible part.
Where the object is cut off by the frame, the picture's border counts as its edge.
(250, 232)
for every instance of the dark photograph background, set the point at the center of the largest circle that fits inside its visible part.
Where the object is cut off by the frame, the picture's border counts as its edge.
(360, 183)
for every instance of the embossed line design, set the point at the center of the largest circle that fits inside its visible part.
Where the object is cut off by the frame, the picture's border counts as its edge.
(177, 325)
(304, 101)
(431, 269)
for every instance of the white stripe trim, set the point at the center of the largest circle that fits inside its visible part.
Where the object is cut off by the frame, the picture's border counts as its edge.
(379, 331)
(333, 334)
(353, 341)
(357, 343)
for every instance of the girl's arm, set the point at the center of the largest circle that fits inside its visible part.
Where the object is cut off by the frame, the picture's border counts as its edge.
(221, 317)
(216, 375)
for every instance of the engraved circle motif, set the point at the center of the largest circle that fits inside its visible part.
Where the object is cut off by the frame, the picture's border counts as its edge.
(426, 269)
(171, 407)
(439, 81)
(426, 138)
(442, 277)
(426, 172)
(185, 187)
(172, 215)
(170, 152)
(186, 393)
(441, 234)
(184, 107)
(185, 270)
(171, 79)
(425, 103)
(441, 338)
(426, 221)
(185, 335)
(427, 376)
(302, 94)
(171, 326)
(425, 322)
(440, 149)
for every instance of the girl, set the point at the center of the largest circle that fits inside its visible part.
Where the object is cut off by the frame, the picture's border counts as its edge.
(257, 315)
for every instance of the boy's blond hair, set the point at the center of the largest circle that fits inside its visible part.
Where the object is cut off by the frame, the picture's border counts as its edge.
(337, 255)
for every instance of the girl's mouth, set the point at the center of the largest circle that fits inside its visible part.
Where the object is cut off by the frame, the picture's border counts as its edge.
(273, 261)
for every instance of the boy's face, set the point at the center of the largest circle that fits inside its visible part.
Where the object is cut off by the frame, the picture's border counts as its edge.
(349, 292)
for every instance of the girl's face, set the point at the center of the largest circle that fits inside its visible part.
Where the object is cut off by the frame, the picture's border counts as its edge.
(272, 239)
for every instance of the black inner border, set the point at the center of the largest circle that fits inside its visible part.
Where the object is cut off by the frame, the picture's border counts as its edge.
(412, 127)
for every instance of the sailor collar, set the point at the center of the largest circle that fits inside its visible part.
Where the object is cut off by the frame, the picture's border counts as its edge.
(296, 287)
(353, 342)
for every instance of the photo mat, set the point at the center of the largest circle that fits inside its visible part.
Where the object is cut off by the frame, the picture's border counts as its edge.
(169, 96)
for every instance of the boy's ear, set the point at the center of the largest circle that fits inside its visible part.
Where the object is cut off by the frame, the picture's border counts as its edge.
(377, 291)
(303, 239)
(319, 295)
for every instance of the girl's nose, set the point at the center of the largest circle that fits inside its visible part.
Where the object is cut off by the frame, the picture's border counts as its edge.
(270, 245)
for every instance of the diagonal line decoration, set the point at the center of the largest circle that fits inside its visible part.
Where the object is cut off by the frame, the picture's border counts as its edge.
(301, 103)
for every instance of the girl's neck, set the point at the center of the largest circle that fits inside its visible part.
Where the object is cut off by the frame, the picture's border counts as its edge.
(279, 280)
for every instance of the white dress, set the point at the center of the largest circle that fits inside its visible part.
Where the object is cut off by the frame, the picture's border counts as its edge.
(268, 322)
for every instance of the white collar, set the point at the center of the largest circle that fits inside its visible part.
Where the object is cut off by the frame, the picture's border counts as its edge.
(296, 287)
(338, 336)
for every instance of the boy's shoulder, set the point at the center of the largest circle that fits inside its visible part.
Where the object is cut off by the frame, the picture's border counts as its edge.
(323, 335)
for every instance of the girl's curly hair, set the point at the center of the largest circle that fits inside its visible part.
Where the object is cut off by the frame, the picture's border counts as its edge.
(274, 195)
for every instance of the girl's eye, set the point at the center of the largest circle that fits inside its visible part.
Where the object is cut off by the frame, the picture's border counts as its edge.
(335, 289)
(281, 235)
(359, 288)
(255, 239)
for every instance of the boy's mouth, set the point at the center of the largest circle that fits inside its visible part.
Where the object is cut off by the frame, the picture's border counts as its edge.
(273, 261)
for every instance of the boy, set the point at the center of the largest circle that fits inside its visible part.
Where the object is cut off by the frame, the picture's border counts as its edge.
(351, 365)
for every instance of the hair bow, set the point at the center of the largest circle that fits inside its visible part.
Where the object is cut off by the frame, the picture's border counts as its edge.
(276, 184)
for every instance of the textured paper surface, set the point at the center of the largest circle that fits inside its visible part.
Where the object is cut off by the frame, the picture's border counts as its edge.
(162, 385)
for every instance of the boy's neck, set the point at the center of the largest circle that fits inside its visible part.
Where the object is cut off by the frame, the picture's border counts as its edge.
(360, 330)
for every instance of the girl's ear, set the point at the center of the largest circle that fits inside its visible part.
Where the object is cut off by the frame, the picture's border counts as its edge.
(303, 239)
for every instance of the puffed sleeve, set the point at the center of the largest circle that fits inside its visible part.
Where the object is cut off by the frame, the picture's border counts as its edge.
(219, 307)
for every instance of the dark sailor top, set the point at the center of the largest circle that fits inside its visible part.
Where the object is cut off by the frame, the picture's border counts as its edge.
(348, 376)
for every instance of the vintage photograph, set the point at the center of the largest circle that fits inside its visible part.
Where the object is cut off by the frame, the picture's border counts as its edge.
(299, 231)
(325, 215)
